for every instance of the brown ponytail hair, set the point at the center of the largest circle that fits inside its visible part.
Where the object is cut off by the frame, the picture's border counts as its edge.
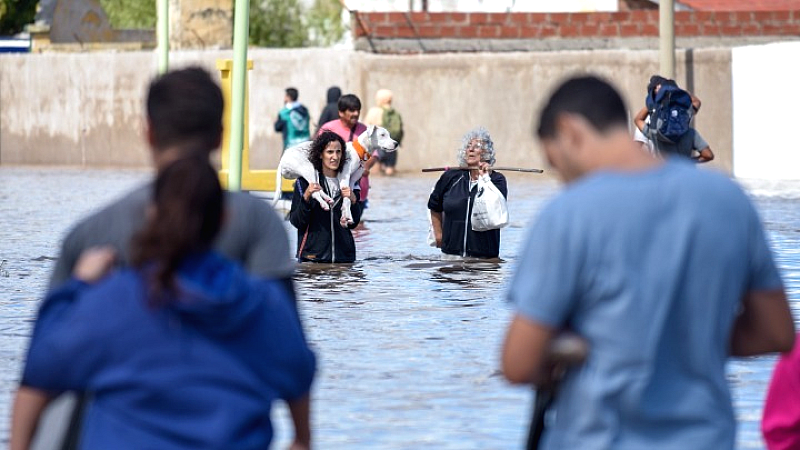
(186, 217)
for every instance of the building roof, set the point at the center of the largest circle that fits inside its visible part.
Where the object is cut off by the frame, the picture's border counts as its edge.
(742, 5)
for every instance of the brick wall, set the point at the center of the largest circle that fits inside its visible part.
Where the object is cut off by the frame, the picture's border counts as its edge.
(623, 24)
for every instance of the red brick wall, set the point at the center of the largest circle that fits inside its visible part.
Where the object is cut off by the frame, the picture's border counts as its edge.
(633, 23)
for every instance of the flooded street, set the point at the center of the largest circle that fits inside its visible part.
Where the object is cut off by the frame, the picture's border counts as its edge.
(407, 343)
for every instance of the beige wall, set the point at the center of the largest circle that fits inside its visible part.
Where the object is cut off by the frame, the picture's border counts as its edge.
(85, 109)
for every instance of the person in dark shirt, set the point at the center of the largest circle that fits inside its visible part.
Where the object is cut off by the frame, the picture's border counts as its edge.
(331, 109)
(324, 235)
(452, 199)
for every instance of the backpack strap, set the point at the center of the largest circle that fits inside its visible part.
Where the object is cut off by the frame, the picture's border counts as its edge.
(303, 243)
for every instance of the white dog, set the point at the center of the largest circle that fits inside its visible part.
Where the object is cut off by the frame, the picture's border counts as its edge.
(295, 164)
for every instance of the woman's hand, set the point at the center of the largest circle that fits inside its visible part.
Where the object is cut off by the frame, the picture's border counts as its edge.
(347, 192)
(94, 264)
(483, 168)
(312, 187)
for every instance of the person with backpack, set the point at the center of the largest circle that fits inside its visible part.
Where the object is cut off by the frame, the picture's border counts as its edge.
(384, 115)
(666, 121)
(293, 120)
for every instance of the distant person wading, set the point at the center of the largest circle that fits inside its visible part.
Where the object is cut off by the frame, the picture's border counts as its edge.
(325, 236)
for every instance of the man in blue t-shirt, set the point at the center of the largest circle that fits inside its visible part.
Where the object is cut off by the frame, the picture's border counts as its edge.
(662, 268)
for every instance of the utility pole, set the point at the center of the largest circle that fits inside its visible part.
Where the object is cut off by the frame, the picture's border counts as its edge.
(162, 35)
(666, 36)
(241, 27)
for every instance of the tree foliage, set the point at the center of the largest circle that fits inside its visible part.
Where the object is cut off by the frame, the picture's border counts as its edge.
(325, 23)
(15, 14)
(130, 14)
(277, 23)
(273, 23)
(285, 23)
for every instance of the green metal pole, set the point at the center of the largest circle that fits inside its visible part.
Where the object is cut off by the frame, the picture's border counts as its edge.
(666, 32)
(162, 27)
(241, 28)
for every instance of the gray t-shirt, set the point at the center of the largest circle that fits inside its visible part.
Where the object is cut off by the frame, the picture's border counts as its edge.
(687, 144)
(650, 267)
(253, 234)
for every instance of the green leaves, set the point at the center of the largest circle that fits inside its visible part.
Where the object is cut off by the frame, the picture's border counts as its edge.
(130, 14)
(15, 14)
(273, 23)
(285, 23)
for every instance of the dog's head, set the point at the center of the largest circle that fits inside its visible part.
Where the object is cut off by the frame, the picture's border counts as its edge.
(376, 138)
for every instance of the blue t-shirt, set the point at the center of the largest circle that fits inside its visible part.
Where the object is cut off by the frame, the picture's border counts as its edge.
(650, 267)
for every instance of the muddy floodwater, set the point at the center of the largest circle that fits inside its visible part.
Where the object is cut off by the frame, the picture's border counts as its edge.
(407, 343)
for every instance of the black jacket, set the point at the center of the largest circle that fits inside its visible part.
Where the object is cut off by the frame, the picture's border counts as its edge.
(327, 240)
(331, 109)
(452, 196)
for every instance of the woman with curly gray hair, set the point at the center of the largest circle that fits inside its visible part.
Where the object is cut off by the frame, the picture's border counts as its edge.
(453, 196)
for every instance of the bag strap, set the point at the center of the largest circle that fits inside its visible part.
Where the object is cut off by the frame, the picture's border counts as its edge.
(303, 243)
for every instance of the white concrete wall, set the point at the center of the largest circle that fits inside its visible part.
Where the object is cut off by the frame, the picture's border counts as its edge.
(86, 109)
(766, 102)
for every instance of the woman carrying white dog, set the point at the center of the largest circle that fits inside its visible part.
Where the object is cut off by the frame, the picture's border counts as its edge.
(454, 195)
(324, 236)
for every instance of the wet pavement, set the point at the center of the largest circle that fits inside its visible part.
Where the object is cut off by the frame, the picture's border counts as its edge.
(408, 343)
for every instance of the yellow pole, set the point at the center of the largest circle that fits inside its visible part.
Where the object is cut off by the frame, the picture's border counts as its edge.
(225, 67)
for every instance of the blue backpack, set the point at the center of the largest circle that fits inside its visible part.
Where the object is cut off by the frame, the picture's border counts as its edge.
(671, 112)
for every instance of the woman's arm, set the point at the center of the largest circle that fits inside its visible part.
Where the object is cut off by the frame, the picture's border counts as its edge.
(640, 118)
(28, 406)
(436, 223)
(300, 410)
(300, 213)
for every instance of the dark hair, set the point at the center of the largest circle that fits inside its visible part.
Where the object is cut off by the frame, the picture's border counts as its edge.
(594, 99)
(349, 102)
(184, 108)
(188, 203)
(292, 93)
(318, 146)
(655, 80)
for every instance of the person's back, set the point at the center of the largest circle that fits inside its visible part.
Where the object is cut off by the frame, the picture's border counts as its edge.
(206, 347)
(184, 116)
(293, 120)
(656, 303)
(252, 234)
(665, 272)
(199, 372)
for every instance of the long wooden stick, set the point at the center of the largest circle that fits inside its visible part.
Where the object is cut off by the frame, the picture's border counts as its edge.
(506, 169)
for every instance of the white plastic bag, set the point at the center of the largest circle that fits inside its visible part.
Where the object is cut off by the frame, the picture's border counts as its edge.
(431, 236)
(490, 211)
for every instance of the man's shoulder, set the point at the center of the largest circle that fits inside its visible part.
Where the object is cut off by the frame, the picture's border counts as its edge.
(131, 204)
(242, 201)
(331, 125)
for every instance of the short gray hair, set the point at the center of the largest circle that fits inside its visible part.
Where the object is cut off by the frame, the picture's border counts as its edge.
(482, 135)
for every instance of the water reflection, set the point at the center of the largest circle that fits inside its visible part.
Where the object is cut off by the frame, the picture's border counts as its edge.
(408, 341)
